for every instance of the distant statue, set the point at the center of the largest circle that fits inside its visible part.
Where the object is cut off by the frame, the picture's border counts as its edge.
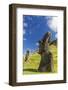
(46, 63)
(27, 55)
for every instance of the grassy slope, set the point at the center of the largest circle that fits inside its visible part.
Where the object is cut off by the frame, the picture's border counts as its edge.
(31, 66)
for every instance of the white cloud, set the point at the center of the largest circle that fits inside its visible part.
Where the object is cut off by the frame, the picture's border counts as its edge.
(52, 23)
(56, 35)
(30, 18)
(24, 31)
(30, 32)
(37, 44)
(25, 24)
(48, 17)
(24, 39)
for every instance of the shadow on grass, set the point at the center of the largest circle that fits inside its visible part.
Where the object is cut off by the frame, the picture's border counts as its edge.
(31, 70)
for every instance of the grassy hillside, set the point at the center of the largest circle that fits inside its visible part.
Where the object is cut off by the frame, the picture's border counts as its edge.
(31, 66)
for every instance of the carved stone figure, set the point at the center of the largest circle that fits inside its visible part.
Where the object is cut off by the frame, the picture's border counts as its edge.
(46, 63)
(27, 55)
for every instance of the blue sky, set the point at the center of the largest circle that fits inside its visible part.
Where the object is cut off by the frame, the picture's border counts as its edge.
(34, 28)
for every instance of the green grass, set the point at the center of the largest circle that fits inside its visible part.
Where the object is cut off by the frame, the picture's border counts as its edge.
(31, 66)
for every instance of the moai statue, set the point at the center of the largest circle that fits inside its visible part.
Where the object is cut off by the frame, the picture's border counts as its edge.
(27, 55)
(41, 47)
(46, 55)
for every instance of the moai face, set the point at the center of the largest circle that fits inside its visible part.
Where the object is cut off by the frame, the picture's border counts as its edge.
(49, 33)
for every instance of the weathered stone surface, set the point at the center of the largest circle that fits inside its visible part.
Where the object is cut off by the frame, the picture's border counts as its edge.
(46, 63)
